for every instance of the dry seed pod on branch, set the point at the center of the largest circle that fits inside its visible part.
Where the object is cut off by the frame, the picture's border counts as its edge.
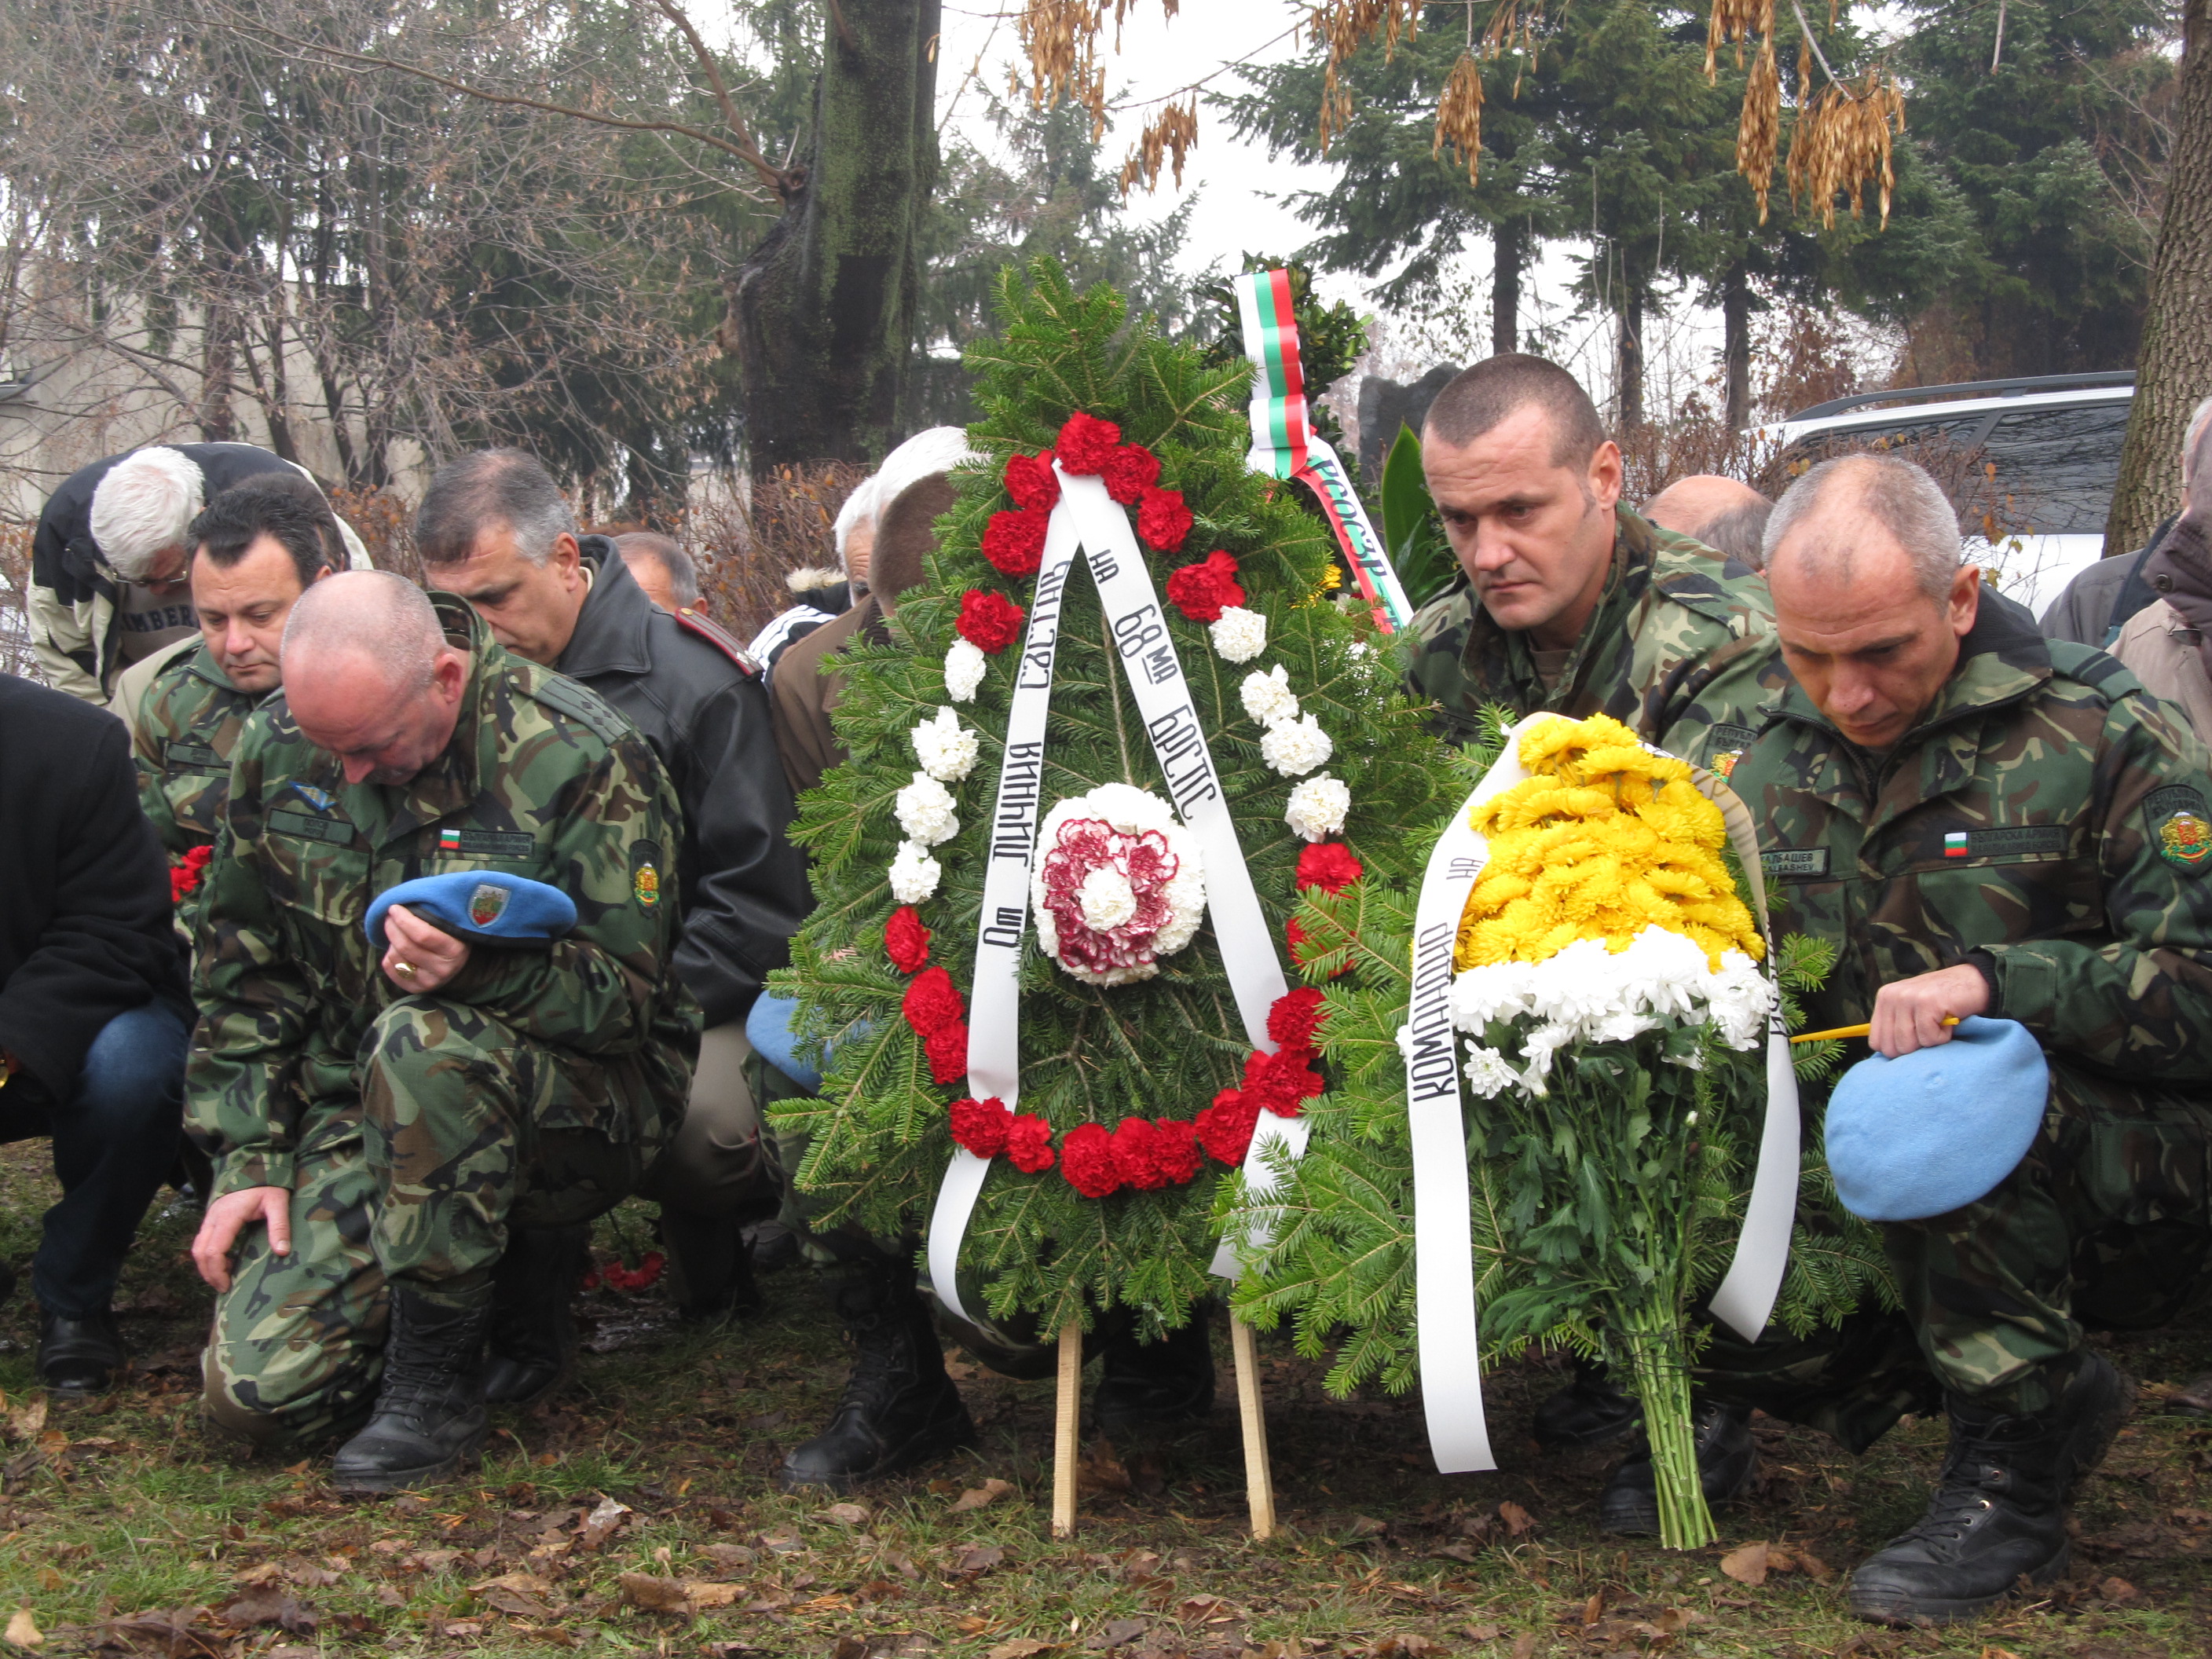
(1737, 21)
(1167, 137)
(1842, 139)
(1459, 116)
(1346, 26)
(1758, 134)
(1060, 38)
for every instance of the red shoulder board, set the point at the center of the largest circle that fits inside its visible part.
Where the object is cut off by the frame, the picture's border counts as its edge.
(720, 638)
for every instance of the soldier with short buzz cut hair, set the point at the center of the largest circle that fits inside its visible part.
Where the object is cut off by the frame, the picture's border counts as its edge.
(1986, 822)
(383, 1109)
(1566, 599)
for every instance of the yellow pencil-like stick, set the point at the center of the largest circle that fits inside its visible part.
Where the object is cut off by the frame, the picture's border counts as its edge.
(1852, 1031)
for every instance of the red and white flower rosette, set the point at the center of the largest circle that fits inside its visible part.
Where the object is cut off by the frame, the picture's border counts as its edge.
(1117, 884)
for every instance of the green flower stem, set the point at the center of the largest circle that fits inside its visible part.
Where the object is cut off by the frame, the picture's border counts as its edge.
(1662, 1384)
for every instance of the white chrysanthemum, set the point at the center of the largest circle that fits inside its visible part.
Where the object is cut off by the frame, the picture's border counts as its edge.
(1503, 990)
(1240, 635)
(1294, 748)
(947, 750)
(1488, 1073)
(1406, 1042)
(1268, 697)
(1081, 899)
(1541, 1044)
(1622, 1027)
(963, 670)
(1317, 807)
(1662, 973)
(1740, 998)
(915, 874)
(1579, 986)
(927, 811)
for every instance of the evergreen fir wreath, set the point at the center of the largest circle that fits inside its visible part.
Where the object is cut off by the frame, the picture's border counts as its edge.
(1141, 1078)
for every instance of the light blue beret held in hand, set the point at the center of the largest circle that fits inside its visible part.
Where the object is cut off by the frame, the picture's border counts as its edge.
(490, 905)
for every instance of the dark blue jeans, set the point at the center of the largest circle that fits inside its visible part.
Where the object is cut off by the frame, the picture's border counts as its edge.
(115, 1140)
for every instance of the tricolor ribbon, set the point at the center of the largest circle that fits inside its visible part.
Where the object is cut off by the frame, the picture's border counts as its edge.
(1445, 1315)
(1284, 445)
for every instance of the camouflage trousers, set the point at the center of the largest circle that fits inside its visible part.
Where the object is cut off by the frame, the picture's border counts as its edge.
(461, 1128)
(2105, 1225)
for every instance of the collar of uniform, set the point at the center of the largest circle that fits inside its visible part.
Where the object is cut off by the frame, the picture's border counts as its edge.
(611, 628)
(200, 661)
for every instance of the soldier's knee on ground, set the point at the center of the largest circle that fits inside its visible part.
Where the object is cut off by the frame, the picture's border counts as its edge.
(268, 1408)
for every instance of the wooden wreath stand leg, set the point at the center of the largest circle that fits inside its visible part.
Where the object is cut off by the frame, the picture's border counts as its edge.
(1259, 1480)
(1067, 1420)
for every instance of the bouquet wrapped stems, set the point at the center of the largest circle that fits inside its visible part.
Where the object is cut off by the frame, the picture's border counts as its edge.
(1652, 1333)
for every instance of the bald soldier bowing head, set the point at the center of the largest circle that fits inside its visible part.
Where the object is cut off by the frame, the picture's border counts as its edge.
(1726, 515)
(385, 1098)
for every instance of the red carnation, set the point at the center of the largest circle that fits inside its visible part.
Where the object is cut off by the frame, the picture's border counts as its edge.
(1130, 472)
(1280, 1080)
(1029, 1144)
(184, 874)
(989, 621)
(1086, 1159)
(1162, 518)
(906, 941)
(1174, 1150)
(1330, 865)
(981, 1125)
(1199, 590)
(1014, 542)
(947, 1048)
(1086, 443)
(1295, 1018)
(1032, 483)
(1224, 1129)
(1136, 1154)
(932, 1002)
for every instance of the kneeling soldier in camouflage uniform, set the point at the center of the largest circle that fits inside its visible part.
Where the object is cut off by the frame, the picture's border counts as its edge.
(379, 1121)
(1983, 822)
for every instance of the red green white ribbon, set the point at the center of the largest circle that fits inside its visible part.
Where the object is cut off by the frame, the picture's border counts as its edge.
(1284, 445)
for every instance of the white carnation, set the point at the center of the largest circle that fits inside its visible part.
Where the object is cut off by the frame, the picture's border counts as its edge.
(946, 751)
(1294, 748)
(1317, 807)
(1488, 1074)
(913, 874)
(927, 811)
(1240, 635)
(1106, 898)
(963, 670)
(1268, 697)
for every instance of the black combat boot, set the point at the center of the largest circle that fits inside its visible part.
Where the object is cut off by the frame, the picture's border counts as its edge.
(78, 1358)
(1727, 1458)
(429, 1418)
(532, 1339)
(899, 1406)
(1589, 1412)
(1999, 1516)
(710, 1266)
(1150, 1385)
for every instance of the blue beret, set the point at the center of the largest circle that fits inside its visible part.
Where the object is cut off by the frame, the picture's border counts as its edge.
(1930, 1131)
(485, 904)
(767, 1028)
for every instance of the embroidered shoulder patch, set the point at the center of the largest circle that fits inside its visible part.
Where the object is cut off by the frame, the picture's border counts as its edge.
(645, 873)
(2180, 825)
(1805, 863)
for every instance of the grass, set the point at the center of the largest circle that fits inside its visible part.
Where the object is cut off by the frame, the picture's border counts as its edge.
(123, 1527)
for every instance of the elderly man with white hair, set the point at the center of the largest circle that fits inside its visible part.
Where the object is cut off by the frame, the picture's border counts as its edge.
(1986, 822)
(109, 584)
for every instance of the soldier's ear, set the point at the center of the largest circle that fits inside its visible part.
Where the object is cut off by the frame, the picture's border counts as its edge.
(1966, 600)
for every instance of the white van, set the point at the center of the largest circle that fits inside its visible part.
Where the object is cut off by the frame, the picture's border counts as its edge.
(2047, 449)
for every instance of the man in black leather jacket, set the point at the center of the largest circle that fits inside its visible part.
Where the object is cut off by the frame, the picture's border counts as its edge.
(495, 529)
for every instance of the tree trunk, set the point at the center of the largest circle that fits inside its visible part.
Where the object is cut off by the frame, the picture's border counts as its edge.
(825, 304)
(218, 422)
(1630, 378)
(2176, 363)
(1736, 348)
(1511, 241)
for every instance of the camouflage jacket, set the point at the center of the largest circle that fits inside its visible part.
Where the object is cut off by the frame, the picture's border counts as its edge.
(1677, 649)
(541, 779)
(2046, 817)
(187, 727)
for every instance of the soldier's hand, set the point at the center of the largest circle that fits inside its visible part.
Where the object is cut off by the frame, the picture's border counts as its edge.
(1910, 1013)
(231, 1215)
(419, 957)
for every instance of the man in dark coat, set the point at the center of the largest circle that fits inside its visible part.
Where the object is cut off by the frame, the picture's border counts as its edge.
(495, 529)
(92, 1016)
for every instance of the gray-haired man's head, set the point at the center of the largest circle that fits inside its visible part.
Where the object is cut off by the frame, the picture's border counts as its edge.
(495, 529)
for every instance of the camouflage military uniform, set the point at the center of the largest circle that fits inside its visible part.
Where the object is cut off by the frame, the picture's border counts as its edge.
(1677, 649)
(2046, 820)
(534, 1087)
(187, 729)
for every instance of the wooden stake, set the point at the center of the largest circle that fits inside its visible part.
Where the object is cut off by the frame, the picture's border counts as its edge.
(1067, 1422)
(1259, 1480)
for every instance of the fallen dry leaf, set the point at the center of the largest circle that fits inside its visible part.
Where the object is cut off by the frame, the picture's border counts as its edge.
(644, 1591)
(1022, 1647)
(1484, 1632)
(847, 1515)
(701, 1594)
(25, 1422)
(976, 1496)
(977, 1557)
(1748, 1564)
(1517, 1520)
(1524, 1645)
(2117, 1589)
(1406, 1646)
(269, 1606)
(22, 1629)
